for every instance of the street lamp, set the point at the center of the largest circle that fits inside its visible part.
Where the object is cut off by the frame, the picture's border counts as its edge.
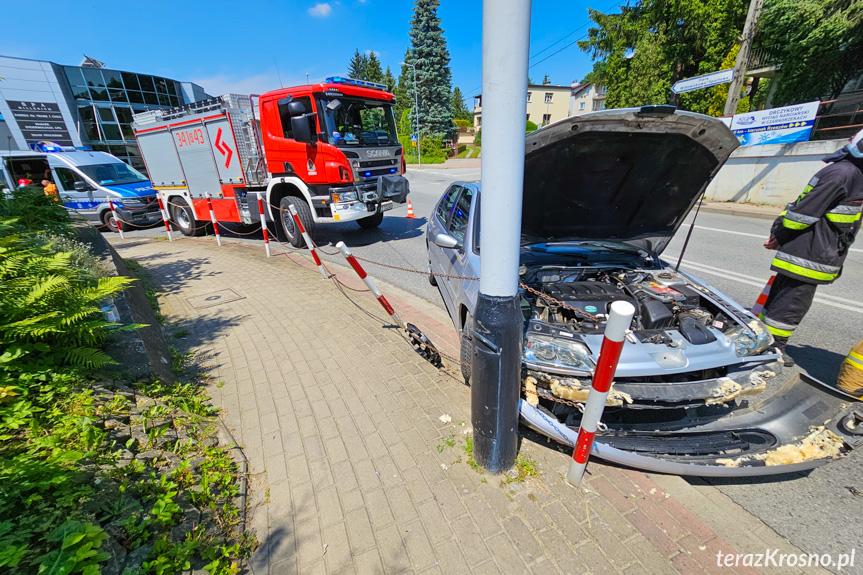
(417, 106)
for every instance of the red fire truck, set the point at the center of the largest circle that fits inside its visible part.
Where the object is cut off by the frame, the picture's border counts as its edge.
(330, 149)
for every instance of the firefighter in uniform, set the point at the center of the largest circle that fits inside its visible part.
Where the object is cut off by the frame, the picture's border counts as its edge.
(812, 237)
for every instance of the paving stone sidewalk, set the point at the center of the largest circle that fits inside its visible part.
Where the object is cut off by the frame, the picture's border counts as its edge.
(356, 443)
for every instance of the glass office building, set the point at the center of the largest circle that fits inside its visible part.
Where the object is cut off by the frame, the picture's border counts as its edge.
(83, 106)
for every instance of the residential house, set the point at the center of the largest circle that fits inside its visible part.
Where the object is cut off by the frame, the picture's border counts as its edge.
(586, 97)
(546, 103)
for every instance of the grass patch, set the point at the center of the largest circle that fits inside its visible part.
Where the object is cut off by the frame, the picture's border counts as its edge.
(525, 467)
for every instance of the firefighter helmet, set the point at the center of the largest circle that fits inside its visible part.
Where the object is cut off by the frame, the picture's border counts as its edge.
(855, 146)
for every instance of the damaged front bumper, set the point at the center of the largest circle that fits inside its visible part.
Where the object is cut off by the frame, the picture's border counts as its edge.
(803, 425)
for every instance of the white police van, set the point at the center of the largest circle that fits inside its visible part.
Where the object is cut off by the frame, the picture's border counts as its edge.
(86, 181)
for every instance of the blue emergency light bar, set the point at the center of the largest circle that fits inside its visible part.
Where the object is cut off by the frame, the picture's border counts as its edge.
(353, 82)
(50, 147)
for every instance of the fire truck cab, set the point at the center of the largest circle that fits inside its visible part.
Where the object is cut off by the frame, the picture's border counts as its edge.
(330, 149)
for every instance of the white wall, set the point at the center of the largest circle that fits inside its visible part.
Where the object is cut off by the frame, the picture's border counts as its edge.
(772, 174)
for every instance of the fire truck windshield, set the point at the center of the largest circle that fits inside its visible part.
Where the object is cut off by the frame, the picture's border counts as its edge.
(359, 122)
(113, 174)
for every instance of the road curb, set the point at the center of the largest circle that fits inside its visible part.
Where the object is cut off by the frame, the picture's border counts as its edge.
(733, 210)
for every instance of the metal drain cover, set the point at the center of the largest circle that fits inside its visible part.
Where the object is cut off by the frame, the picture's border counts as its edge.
(215, 298)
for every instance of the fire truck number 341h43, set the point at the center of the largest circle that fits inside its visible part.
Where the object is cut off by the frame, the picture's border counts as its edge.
(328, 149)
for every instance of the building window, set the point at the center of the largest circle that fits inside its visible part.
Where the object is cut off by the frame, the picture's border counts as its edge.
(528, 118)
(546, 119)
(581, 105)
(548, 97)
(587, 92)
(528, 97)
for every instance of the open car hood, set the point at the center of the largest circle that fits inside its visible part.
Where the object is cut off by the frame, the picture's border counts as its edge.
(628, 174)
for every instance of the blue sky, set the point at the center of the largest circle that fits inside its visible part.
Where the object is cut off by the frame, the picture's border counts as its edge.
(245, 46)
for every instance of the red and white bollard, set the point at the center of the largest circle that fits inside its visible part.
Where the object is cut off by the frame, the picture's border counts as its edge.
(369, 283)
(308, 239)
(619, 320)
(165, 217)
(117, 221)
(263, 222)
(213, 218)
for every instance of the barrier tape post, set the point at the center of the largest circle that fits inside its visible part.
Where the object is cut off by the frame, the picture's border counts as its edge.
(213, 218)
(619, 320)
(263, 222)
(165, 217)
(369, 283)
(308, 239)
(116, 219)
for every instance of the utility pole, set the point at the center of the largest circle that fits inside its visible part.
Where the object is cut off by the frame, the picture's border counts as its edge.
(742, 60)
(497, 328)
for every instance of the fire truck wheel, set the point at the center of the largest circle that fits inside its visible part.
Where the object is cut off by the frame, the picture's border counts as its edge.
(292, 234)
(371, 221)
(112, 224)
(184, 218)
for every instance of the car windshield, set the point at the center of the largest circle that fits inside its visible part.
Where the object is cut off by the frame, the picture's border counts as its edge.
(113, 174)
(359, 122)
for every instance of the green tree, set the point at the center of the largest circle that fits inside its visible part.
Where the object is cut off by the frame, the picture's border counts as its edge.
(403, 101)
(430, 55)
(459, 108)
(720, 93)
(818, 44)
(651, 44)
(357, 66)
(374, 73)
(389, 80)
(546, 80)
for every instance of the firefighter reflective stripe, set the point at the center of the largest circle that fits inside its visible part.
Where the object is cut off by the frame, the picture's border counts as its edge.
(777, 328)
(795, 221)
(805, 268)
(855, 360)
(844, 214)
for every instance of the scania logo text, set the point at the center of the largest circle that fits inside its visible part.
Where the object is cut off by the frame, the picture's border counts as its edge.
(378, 153)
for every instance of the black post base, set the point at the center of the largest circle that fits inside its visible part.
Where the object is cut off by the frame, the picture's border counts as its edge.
(496, 381)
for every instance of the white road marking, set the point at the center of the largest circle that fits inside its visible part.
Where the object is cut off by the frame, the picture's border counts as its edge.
(759, 236)
(834, 301)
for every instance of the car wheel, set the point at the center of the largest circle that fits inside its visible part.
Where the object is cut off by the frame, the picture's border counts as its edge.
(112, 224)
(184, 218)
(466, 352)
(371, 221)
(292, 233)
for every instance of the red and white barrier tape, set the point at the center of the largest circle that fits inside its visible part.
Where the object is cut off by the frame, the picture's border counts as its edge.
(619, 320)
(165, 218)
(369, 283)
(264, 223)
(117, 221)
(213, 218)
(309, 243)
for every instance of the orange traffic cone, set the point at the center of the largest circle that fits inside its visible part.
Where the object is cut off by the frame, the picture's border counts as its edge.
(410, 210)
(762, 299)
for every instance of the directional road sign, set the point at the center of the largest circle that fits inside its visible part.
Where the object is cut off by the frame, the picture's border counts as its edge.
(705, 81)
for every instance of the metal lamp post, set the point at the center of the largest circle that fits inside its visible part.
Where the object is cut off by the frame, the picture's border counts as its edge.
(417, 107)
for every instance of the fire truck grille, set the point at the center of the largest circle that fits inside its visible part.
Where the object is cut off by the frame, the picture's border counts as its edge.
(376, 163)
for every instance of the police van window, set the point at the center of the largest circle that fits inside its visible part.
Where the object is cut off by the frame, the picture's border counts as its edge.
(286, 118)
(457, 226)
(67, 178)
(445, 206)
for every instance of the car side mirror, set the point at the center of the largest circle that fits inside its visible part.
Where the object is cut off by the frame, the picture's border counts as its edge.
(446, 241)
(81, 186)
(300, 127)
(296, 108)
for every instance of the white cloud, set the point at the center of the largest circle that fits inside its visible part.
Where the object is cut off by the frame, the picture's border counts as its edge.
(321, 10)
(375, 52)
(255, 84)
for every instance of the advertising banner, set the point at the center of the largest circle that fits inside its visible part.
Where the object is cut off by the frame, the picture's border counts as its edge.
(784, 125)
(40, 121)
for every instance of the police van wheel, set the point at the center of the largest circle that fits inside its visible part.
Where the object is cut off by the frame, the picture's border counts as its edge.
(370, 222)
(289, 227)
(112, 224)
(184, 218)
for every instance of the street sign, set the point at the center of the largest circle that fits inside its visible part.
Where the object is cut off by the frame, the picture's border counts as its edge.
(705, 81)
(784, 125)
(413, 138)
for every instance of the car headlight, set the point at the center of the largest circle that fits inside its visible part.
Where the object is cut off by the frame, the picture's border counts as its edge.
(355, 165)
(345, 197)
(556, 352)
(746, 343)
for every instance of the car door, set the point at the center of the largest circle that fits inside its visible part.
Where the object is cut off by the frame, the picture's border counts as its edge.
(457, 259)
(439, 261)
(82, 202)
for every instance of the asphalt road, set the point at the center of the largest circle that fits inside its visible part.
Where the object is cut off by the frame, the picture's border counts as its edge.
(817, 511)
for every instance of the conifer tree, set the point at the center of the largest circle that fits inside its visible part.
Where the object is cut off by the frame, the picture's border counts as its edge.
(373, 72)
(358, 65)
(389, 80)
(403, 101)
(459, 108)
(430, 55)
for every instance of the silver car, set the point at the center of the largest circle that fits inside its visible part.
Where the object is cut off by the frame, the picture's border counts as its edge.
(604, 193)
